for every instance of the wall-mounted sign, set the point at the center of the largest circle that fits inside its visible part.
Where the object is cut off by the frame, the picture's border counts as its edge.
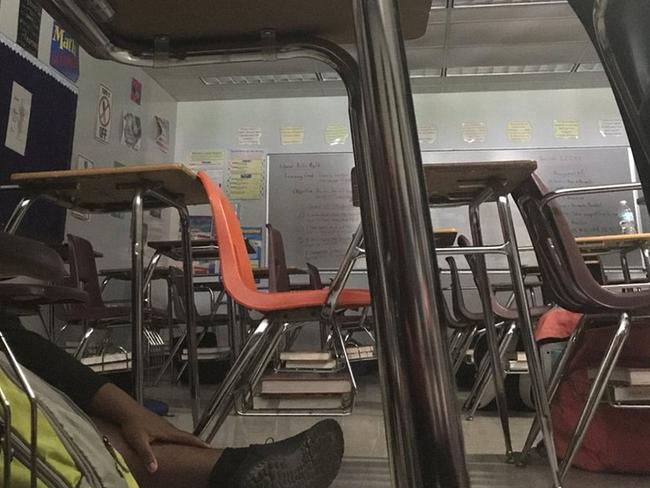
(519, 131)
(566, 128)
(64, 55)
(104, 114)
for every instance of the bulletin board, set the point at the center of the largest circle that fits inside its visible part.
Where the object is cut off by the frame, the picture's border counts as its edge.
(49, 135)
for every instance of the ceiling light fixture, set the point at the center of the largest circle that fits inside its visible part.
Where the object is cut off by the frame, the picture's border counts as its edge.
(529, 69)
(501, 3)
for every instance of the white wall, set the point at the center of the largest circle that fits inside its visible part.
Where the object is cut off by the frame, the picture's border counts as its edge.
(203, 125)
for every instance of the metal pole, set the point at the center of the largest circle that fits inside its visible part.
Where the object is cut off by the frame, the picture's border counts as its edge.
(526, 326)
(190, 314)
(423, 426)
(137, 294)
(483, 284)
(18, 214)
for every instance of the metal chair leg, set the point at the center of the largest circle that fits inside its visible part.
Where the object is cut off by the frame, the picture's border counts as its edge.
(462, 351)
(503, 349)
(83, 344)
(256, 349)
(556, 379)
(596, 392)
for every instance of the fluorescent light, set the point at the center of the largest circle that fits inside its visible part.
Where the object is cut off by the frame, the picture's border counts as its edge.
(508, 70)
(330, 76)
(425, 73)
(501, 3)
(590, 68)
(438, 4)
(259, 79)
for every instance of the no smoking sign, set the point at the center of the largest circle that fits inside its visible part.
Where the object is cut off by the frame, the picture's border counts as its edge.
(104, 109)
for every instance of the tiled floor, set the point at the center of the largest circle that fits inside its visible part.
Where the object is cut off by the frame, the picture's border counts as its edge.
(365, 464)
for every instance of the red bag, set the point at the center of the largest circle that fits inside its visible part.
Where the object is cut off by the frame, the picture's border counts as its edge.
(618, 440)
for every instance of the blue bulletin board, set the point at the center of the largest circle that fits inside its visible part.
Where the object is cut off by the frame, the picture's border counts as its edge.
(48, 122)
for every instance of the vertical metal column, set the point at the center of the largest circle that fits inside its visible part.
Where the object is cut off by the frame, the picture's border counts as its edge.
(190, 314)
(483, 284)
(423, 426)
(527, 334)
(137, 295)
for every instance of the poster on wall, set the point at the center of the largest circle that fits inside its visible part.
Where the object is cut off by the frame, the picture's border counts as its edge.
(254, 237)
(64, 53)
(161, 127)
(246, 174)
(104, 114)
(211, 161)
(19, 114)
(136, 91)
(29, 26)
(132, 131)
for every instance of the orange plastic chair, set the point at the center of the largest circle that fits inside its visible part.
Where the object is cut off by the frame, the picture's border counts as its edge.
(279, 309)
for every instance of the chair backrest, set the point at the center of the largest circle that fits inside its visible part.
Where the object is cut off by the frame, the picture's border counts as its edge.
(83, 270)
(235, 266)
(278, 272)
(20, 256)
(561, 262)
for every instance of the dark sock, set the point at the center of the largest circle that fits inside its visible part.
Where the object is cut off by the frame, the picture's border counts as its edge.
(226, 465)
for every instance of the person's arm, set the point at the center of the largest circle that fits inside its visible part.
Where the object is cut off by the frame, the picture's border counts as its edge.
(140, 427)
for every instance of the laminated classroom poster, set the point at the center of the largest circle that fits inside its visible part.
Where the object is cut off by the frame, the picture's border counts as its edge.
(254, 237)
(246, 174)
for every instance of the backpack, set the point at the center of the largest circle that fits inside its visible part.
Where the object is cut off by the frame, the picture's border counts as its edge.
(71, 452)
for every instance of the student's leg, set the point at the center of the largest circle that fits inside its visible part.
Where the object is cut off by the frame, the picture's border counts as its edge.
(178, 465)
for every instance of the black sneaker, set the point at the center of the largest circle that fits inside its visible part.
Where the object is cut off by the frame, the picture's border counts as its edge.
(310, 459)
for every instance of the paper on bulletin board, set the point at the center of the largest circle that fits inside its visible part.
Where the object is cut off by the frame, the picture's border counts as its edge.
(566, 129)
(292, 135)
(474, 132)
(336, 134)
(611, 128)
(519, 131)
(427, 134)
(249, 136)
(246, 174)
(132, 131)
(254, 237)
(20, 111)
(161, 135)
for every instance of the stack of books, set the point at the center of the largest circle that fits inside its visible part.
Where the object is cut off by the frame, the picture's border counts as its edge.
(518, 363)
(208, 353)
(627, 385)
(308, 360)
(108, 363)
(294, 390)
(356, 353)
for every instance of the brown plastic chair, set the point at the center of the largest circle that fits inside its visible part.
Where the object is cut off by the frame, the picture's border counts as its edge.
(22, 257)
(278, 273)
(575, 286)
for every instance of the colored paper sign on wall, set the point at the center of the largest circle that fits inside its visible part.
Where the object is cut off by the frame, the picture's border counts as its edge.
(566, 128)
(211, 162)
(611, 128)
(254, 237)
(20, 111)
(249, 136)
(427, 134)
(246, 174)
(64, 53)
(104, 114)
(474, 132)
(519, 131)
(336, 134)
(292, 135)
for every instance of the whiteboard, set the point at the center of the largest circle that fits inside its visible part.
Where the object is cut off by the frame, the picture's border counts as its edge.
(310, 198)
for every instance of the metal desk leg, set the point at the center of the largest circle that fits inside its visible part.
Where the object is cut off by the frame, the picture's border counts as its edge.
(526, 326)
(190, 314)
(625, 267)
(483, 284)
(137, 294)
(425, 442)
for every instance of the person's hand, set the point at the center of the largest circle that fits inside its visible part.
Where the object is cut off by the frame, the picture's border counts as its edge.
(143, 429)
(140, 427)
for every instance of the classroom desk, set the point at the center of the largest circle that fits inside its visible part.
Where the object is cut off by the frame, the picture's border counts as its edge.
(618, 243)
(473, 184)
(135, 189)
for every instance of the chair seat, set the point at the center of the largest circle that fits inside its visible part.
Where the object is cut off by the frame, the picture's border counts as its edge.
(295, 300)
(36, 294)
